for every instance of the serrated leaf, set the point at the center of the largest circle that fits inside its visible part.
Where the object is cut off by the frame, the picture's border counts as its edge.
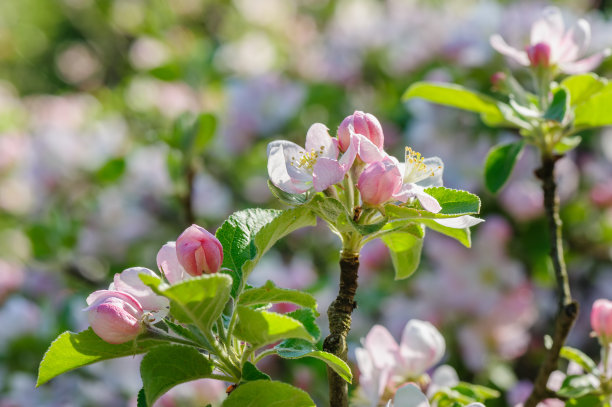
(308, 318)
(191, 334)
(595, 112)
(287, 198)
(269, 293)
(365, 230)
(580, 358)
(247, 235)
(463, 236)
(167, 366)
(72, 350)
(261, 328)
(405, 250)
(454, 201)
(499, 164)
(582, 87)
(333, 212)
(559, 107)
(251, 373)
(298, 348)
(141, 401)
(266, 393)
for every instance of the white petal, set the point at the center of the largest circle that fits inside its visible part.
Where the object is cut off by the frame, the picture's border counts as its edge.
(281, 172)
(128, 281)
(325, 173)
(460, 222)
(382, 347)
(549, 28)
(168, 263)
(421, 347)
(410, 395)
(575, 42)
(428, 202)
(318, 139)
(584, 65)
(436, 166)
(498, 43)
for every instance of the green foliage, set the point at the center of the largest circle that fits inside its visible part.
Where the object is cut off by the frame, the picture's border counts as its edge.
(298, 348)
(581, 358)
(260, 328)
(197, 300)
(582, 87)
(499, 164)
(287, 198)
(575, 386)
(405, 247)
(266, 393)
(308, 318)
(111, 171)
(464, 393)
(559, 107)
(192, 134)
(455, 202)
(463, 236)
(590, 400)
(595, 111)
(72, 350)
(167, 366)
(269, 293)
(333, 212)
(247, 235)
(251, 373)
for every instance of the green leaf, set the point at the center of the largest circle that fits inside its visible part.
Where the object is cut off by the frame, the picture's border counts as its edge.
(265, 393)
(579, 357)
(454, 201)
(333, 212)
(260, 328)
(365, 230)
(197, 300)
(251, 373)
(589, 400)
(308, 318)
(192, 134)
(476, 392)
(575, 386)
(205, 127)
(287, 198)
(582, 87)
(463, 236)
(559, 107)
(247, 235)
(167, 366)
(499, 164)
(405, 249)
(142, 399)
(269, 293)
(567, 144)
(459, 97)
(298, 348)
(111, 171)
(595, 112)
(71, 350)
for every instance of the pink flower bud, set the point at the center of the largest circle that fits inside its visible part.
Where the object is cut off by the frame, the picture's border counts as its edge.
(601, 319)
(199, 251)
(379, 181)
(114, 316)
(498, 79)
(539, 54)
(364, 124)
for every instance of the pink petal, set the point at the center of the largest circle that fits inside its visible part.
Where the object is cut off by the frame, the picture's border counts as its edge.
(168, 263)
(498, 43)
(549, 28)
(368, 152)
(318, 139)
(574, 42)
(584, 65)
(347, 159)
(97, 297)
(382, 347)
(129, 282)
(325, 173)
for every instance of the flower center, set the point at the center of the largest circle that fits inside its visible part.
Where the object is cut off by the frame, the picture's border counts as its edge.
(307, 159)
(416, 169)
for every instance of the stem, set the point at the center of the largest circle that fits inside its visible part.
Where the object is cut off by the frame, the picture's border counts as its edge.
(339, 314)
(263, 354)
(221, 377)
(567, 308)
(188, 197)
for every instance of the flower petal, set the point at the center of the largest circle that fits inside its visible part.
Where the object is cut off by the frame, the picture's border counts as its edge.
(318, 139)
(325, 173)
(368, 152)
(382, 347)
(574, 42)
(549, 28)
(585, 64)
(460, 222)
(498, 43)
(129, 282)
(168, 263)
(282, 174)
(410, 395)
(421, 347)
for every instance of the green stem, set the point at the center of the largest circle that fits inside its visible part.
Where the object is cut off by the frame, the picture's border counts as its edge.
(265, 353)
(222, 377)
(160, 334)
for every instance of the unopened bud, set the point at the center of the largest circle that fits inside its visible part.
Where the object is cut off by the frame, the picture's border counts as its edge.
(601, 319)
(379, 181)
(539, 54)
(114, 316)
(364, 124)
(199, 251)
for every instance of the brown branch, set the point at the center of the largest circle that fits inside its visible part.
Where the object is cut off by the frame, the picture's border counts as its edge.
(339, 314)
(187, 198)
(567, 308)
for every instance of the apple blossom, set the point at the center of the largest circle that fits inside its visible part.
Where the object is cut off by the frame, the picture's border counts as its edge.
(296, 170)
(199, 251)
(114, 316)
(409, 395)
(129, 282)
(168, 263)
(379, 181)
(601, 319)
(551, 45)
(419, 173)
(362, 123)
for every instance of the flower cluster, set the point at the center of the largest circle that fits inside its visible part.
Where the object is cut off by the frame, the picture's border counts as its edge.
(119, 314)
(357, 152)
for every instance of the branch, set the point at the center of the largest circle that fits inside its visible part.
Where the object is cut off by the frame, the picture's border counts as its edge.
(567, 308)
(339, 314)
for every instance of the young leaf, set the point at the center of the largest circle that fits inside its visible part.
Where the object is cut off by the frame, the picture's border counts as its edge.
(459, 97)
(405, 249)
(167, 366)
(260, 328)
(142, 399)
(71, 350)
(269, 293)
(559, 107)
(247, 235)
(205, 127)
(298, 348)
(595, 112)
(333, 212)
(454, 201)
(575, 386)
(198, 300)
(251, 373)
(287, 198)
(567, 144)
(499, 164)
(463, 236)
(582, 87)
(579, 357)
(308, 318)
(266, 393)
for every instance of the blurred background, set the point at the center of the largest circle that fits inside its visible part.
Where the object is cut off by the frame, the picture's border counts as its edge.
(96, 99)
